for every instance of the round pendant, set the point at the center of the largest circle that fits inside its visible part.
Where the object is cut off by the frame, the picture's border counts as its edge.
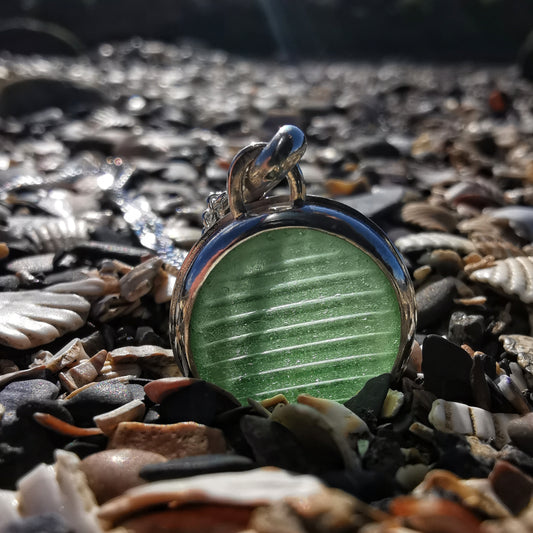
(291, 296)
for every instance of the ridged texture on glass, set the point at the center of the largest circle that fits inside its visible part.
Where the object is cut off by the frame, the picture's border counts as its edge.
(294, 310)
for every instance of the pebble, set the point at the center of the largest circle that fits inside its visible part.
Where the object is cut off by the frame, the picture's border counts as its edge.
(96, 399)
(434, 301)
(512, 486)
(171, 440)
(446, 368)
(111, 472)
(196, 465)
(521, 433)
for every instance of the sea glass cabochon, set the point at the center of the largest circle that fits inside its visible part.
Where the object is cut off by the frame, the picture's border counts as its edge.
(294, 310)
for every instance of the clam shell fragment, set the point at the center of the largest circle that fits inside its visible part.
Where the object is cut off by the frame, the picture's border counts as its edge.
(32, 318)
(430, 240)
(513, 276)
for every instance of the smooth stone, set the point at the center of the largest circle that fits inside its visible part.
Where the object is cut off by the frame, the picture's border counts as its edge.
(380, 201)
(371, 397)
(455, 456)
(366, 148)
(43, 523)
(521, 433)
(198, 464)
(434, 301)
(446, 368)
(97, 399)
(366, 485)
(274, 445)
(83, 449)
(53, 407)
(111, 472)
(199, 402)
(171, 440)
(466, 329)
(518, 458)
(18, 393)
(511, 485)
(481, 392)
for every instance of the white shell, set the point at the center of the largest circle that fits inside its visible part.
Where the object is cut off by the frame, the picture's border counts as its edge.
(92, 287)
(8, 507)
(139, 281)
(431, 240)
(454, 417)
(513, 276)
(392, 404)
(131, 412)
(251, 488)
(31, 318)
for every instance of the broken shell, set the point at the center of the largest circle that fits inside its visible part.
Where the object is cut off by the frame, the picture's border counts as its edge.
(315, 432)
(495, 246)
(429, 240)
(249, 488)
(8, 507)
(139, 281)
(339, 416)
(433, 515)
(83, 373)
(64, 428)
(513, 276)
(89, 287)
(512, 393)
(69, 355)
(159, 361)
(49, 234)
(131, 412)
(476, 494)
(429, 217)
(32, 318)
(454, 417)
(163, 287)
(159, 389)
(392, 404)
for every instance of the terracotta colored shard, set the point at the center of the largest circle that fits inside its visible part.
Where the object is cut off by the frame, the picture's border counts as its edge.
(172, 440)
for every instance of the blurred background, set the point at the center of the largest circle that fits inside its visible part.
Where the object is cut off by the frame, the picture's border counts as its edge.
(445, 30)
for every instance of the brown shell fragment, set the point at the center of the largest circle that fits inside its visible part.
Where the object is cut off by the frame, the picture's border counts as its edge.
(429, 217)
(498, 247)
(512, 276)
(64, 428)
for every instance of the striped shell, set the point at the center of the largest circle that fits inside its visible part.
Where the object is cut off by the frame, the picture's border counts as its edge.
(454, 417)
(498, 247)
(429, 217)
(513, 276)
(429, 240)
(50, 234)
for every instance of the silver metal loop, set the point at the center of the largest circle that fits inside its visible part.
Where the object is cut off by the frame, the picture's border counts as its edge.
(238, 173)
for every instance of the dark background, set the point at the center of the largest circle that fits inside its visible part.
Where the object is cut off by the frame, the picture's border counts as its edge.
(447, 30)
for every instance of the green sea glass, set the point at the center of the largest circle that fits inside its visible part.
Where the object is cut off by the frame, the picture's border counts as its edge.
(294, 310)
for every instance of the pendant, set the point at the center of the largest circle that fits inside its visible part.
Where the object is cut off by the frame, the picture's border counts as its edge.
(289, 294)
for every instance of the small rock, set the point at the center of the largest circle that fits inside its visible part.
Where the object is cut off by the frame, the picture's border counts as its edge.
(466, 329)
(521, 433)
(112, 472)
(172, 440)
(434, 301)
(512, 486)
(446, 369)
(96, 399)
(195, 465)
(370, 397)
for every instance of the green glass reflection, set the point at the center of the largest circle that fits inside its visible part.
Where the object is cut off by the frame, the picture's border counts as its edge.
(294, 310)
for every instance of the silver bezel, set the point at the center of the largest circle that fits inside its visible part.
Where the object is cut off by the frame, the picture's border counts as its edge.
(318, 213)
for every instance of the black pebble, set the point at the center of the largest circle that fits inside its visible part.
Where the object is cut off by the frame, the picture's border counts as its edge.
(434, 301)
(446, 369)
(370, 397)
(274, 445)
(199, 464)
(53, 407)
(97, 399)
(18, 393)
(466, 329)
(194, 403)
(363, 484)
